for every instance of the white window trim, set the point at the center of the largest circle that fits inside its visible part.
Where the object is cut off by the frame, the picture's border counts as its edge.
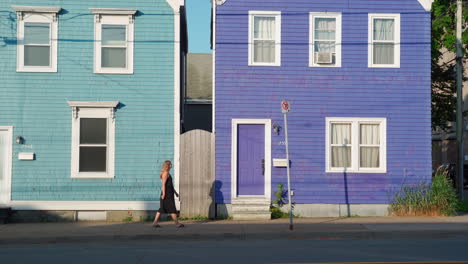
(5, 189)
(355, 122)
(277, 15)
(338, 38)
(36, 14)
(112, 16)
(93, 110)
(397, 40)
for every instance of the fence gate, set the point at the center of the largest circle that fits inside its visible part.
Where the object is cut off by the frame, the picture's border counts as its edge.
(196, 174)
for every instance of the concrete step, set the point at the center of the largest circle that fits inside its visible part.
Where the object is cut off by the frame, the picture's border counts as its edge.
(251, 209)
(257, 216)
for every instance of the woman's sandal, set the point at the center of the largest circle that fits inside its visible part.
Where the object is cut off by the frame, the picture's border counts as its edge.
(180, 225)
(155, 225)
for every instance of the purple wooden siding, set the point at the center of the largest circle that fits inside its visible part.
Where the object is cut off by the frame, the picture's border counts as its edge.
(401, 95)
(250, 155)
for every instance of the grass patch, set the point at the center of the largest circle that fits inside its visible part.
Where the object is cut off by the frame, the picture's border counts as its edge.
(425, 199)
(195, 218)
(128, 219)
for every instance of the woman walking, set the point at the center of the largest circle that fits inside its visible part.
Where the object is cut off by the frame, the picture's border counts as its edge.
(167, 203)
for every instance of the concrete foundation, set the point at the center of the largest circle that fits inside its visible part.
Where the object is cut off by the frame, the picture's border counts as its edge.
(31, 216)
(321, 210)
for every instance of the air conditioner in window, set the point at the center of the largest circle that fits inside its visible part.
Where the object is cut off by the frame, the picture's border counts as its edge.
(323, 57)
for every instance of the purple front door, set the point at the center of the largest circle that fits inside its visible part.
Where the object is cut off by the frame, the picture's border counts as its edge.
(251, 160)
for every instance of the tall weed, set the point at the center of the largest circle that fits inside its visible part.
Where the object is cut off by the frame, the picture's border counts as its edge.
(424, 199)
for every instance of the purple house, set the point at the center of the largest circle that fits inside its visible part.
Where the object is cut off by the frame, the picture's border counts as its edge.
(357, 74)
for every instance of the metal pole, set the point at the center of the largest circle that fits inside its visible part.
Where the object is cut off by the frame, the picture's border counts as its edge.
(288, 171)
(460, 98)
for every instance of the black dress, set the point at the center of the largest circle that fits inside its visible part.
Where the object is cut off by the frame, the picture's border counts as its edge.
(167, 205)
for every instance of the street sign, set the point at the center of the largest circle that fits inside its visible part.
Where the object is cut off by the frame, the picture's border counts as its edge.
(285, 106)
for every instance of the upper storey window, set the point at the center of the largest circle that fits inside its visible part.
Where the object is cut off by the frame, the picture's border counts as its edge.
(37, 35)
(384, 40)
(325, 40)
(264, 38)
(113, 49)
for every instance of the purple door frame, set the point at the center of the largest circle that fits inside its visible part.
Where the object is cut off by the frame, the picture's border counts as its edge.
(251, 160)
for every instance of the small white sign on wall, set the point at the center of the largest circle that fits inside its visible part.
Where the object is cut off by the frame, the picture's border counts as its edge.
(280, 163)
(26, 156)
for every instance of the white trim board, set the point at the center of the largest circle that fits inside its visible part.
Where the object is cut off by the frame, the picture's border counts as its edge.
(427, 4)
(235, 123)
(177, 114)
(84, 205)
(176, 4)
(5, 190)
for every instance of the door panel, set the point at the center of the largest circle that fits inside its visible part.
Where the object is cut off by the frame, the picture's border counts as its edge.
(251, 160)
(3, 160)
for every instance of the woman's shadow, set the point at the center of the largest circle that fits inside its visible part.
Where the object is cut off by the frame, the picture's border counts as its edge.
(217, 211)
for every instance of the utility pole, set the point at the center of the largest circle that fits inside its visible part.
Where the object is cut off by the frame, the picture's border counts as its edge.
(460, 98)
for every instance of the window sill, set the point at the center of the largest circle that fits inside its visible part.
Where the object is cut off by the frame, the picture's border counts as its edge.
(128, 72)
(36, 69)
(356, 171)
(265, 64)
(93, 176)
(395, 66)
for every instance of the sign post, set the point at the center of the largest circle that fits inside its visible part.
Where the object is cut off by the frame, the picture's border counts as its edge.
(285, 107)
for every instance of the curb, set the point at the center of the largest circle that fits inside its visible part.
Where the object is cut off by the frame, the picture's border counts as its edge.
(242, 236)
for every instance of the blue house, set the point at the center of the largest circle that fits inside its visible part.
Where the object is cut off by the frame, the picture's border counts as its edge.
(357, 74)
(89, 103)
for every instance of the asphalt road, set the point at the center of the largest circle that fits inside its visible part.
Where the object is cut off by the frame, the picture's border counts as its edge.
(411, 251)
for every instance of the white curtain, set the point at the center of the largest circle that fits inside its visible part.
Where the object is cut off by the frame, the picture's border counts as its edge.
(341, 145)
(370, 137)
(264, 39)
(384, 32)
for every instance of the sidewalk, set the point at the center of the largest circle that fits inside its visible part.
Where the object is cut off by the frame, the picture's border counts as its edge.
(304, 228)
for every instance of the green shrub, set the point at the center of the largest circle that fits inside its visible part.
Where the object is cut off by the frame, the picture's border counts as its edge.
(462, 206)
(279, 201)
(436, 199)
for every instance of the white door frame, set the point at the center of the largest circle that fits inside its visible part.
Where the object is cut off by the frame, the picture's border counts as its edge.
(235, 123)
(5, 188)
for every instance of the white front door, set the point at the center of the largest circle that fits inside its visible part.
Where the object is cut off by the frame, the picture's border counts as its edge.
(5, 164)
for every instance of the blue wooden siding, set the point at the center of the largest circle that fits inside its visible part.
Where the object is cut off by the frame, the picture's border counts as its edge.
(401, 95)
(36, 104)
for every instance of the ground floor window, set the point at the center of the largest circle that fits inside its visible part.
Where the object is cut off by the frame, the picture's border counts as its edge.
(93, 133)
(356, 144)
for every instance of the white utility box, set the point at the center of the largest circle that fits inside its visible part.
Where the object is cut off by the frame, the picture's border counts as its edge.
(26, 156)
(280, 163)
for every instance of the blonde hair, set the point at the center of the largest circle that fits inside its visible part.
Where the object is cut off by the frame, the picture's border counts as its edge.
(165, 167)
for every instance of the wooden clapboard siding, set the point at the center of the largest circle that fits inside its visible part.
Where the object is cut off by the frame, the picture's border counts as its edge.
(197, 177)
(36, 104)
(401, 95)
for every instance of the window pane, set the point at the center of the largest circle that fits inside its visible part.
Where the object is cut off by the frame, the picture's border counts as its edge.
(370, 134)
(264, 51)
(384, 53)
(264, 28)
(341, 134)
(341, 157)
(384, 29)
(114, 35)
(370, 157)
(36, 56)
(114, 57)
(325, 28)
(36, 33)
(93, 159)
(93, 131)
(324, 46)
